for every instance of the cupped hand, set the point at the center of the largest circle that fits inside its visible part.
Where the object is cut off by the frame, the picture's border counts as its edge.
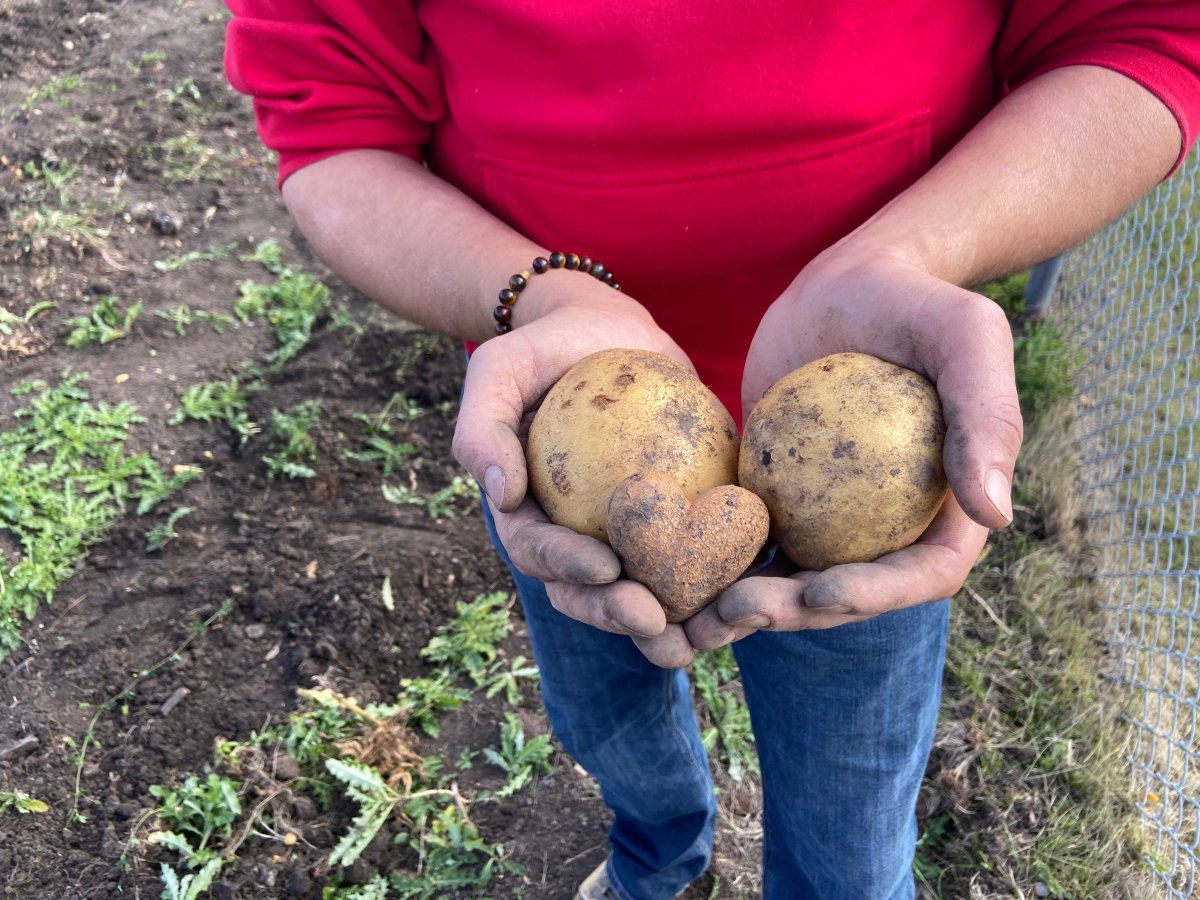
(886, 306)
(506, 380)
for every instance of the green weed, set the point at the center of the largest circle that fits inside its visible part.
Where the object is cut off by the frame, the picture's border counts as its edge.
(183, 317)
(380, 431)
(195, 256)
(217, 401)
(519, 759)
(194, 813)
(727, 731)
(292, 304)
(65, 478)
(295, 452)
(1045, 367)
(8, 318)
(454, 856)
(56, 90)
(440, 504)
(471, 641)
(104, 324)
(19, 801)
(423, 700)
(163, 533)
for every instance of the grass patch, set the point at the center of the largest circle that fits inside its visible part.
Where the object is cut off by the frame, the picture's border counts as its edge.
(1025, 785)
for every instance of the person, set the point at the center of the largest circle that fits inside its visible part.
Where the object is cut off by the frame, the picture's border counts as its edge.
(769, 182)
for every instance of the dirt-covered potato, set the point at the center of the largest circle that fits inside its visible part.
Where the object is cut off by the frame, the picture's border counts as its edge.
(685, 553)
(847, 454)
(621, 412)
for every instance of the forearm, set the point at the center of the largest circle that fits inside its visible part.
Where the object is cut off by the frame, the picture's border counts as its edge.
(1054, 162)
(417, 245)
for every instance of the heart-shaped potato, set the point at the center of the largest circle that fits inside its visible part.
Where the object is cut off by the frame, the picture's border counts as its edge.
(685, 553)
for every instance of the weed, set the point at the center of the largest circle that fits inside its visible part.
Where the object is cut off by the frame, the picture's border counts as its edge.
(183, 317)
(195, 256)
(1045, 367)
(57, 178)
(1008, 293)
(423, 700)
(291, 305)
(192, 886)
(56, 90)
(439, 504)
(163, 533)
(184, 158)
(509, 679)
(520, 760)
(471, 641)
(296, 448)
(376, 800)
(380, 430)
(103, 325)
(65, 477)
(718, 684)
(269, 255)
(19, 801)
(194, 813)
(453, 854)
(8, 319)
(216, 401)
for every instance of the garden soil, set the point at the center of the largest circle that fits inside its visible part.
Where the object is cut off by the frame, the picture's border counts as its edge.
(128, 99)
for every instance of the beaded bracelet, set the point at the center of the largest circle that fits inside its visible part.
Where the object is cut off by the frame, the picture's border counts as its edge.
(508, 297)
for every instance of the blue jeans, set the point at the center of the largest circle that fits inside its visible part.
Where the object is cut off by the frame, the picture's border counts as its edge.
(843, 720)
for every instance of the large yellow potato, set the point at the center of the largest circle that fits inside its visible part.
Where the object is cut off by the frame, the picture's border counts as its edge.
(617, 413)
(846, 452)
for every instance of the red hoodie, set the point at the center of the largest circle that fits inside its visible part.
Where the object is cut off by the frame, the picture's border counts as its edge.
(704, 152)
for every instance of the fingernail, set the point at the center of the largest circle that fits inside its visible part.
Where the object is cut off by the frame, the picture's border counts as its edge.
(999, 491)
(493, 483)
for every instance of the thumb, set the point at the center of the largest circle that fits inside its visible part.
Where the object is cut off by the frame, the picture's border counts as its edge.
(487, 434)
(984, 428)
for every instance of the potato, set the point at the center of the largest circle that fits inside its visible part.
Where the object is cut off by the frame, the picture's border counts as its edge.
(846, 452)
(621, 412)
(686, 553)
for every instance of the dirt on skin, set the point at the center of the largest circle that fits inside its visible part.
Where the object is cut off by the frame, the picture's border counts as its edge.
(126, 102)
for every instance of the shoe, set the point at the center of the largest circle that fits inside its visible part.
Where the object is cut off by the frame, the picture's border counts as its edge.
(597, 886)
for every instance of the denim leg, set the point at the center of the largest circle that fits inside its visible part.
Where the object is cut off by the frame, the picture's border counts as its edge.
(844, 720)
(632, 726)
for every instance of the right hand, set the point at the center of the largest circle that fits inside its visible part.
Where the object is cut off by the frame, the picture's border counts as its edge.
(506, 380)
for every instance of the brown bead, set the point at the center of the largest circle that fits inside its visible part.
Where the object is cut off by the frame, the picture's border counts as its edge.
(502, 313)
(503, 328)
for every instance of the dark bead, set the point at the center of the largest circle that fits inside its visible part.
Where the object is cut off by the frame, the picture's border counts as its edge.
(616, 287)
(585, 263)
(572, 261)
(609, 277)
(541, 264)
(508, 297)
(502, 313)
(598, 271)
(517, 283)
(557, 260)
(503, 328)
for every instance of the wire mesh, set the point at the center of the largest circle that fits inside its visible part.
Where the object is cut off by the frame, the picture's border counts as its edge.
(1128, 302)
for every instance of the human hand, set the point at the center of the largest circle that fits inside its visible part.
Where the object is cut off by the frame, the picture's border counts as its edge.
(878, 303)
(506, 380)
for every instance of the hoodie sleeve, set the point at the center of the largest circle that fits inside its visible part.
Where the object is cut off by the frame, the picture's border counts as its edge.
(333, 75)
(1154, 42)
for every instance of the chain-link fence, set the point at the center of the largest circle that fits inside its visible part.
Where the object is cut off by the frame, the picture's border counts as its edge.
(1128, 302)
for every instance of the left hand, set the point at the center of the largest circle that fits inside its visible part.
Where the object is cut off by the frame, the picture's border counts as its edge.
(875, 302)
